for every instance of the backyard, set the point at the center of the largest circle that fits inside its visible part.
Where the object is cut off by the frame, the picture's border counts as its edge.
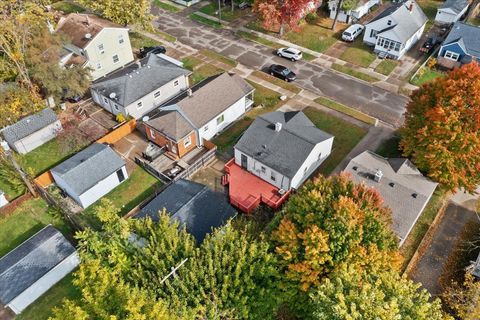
(426, 75)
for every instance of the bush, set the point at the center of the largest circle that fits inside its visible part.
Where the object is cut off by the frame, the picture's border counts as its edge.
(311, 17)
(120, 118)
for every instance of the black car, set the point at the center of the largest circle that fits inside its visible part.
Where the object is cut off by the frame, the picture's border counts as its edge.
(282, 72)
(429, 45)
(155, 50)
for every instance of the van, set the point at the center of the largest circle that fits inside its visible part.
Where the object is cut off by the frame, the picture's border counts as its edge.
(352, 32)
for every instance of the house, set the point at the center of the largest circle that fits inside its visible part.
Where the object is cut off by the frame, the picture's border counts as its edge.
(33, 267)
(394, 31)
(141, 86)
(95, 43)
(451, 11)
(195, 206)
(90, 174)
(404, 189)
(199, 114)
(351, 16)
(461, 46)
(3, 199)
(32, 131)
(278, 152)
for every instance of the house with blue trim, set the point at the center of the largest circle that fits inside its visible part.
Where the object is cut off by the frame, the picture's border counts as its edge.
(461, 46)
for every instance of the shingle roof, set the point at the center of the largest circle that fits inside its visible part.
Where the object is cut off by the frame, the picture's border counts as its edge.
(31, 260)
(456, 6)
(467, 36)
(132, 82)
(194, 205)
(283, 151)
(405, 23)
(28, 125)
(172, 124)
(88, 167)
(406, 180)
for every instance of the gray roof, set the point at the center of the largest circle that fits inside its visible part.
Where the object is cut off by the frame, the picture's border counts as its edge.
(88, 167)
(405, 23)
(406, 180)
(28, 125)
(132, 82)
(456, 6)
(283, 151)
(194, 205)
(467, 36)
(31, 260)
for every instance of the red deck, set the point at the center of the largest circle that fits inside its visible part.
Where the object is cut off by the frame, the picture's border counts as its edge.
(247, 191)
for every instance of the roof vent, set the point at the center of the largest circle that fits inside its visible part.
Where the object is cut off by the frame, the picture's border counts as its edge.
(278, 126)
(391, 184)
(389, 22)
(264, 146)
(88, 36)
(113, 95)
(378, 175)
(415, 195)
(354, 168)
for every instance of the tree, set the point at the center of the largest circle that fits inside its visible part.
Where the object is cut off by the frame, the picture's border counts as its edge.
(345, 5)
(464, 299)
(123, 12)
(16, 102)
(349, 294)
(277, 14)
(441, 131)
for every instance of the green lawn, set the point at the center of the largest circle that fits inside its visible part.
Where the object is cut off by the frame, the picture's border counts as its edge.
(41, 309)
(314, 36)
(217, 56)
(227, 14)
(138, 41)
(359, 54)
(426, 75)
(278, 82)
(354, 73)
(209, 22)
(25, 221)
(430, 7)
(347, 136)
(9, 189)
(203, 72)
(166, 6)
(191, 62)
(346, 110)
(386, 66)
(67, 7)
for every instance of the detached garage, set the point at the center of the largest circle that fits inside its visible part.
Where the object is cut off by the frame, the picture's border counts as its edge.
(35, 266)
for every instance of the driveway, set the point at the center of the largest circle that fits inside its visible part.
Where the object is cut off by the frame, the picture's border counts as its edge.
(380, 103)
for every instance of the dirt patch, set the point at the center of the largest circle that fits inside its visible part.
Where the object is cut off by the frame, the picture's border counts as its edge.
(92, 129)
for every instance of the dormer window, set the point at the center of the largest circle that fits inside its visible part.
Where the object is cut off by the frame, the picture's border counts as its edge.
(120, 39)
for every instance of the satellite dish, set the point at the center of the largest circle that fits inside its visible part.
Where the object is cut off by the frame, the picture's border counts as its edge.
(145, 119)
(88, 36)
(112, 95)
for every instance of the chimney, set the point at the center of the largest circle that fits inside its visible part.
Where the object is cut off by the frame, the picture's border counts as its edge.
(378, 175)
(189, 92)
(278, 126)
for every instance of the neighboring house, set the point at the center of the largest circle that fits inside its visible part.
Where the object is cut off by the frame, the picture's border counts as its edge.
(193, 205)
(90, 174)
(351, 16)
(394, 31)
(95, 43)
(474, 268)
(451, 11)
(404, 189)
(461, 46)
(32, 131)
(3, 199)
(33, 267)
(141, 86)
(199, 114)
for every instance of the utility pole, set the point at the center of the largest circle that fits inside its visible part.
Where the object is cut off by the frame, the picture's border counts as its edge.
(11, 158)
(220, 11)
(174, 269)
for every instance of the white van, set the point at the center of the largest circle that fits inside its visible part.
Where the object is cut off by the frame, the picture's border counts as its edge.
(352, 32)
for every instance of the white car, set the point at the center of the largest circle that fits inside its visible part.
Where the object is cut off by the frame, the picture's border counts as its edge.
(352, 32)
(290, 53)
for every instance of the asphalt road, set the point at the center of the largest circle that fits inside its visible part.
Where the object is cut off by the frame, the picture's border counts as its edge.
(380, 103)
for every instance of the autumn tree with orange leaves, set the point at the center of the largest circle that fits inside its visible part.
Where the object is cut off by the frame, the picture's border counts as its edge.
(441, 131)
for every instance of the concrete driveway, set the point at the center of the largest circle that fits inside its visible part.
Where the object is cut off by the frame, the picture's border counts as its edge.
(380, 103)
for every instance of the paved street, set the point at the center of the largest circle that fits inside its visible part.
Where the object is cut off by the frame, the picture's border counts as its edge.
(380, 103)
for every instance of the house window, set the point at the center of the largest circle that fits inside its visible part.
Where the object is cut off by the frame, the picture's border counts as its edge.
(116, 107)
(156, 95)
(220, 120)
(452, 55)
(187, 141)
(99, 66)
(139, 104)
(115, 58)
(105, 100)
(273, 177)
(373, 33)
(175, 83)
(205, 129)
(397, 46)
(264, 169)
(120, 175)
(101, 49)
(120, 39)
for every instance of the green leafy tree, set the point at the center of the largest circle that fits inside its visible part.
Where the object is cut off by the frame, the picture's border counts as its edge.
(464, 299)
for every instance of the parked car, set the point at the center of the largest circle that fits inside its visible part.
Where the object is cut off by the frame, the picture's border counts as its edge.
(352, 32)
(282, 72)
(290, 53)
(429, 45)
(144, 51)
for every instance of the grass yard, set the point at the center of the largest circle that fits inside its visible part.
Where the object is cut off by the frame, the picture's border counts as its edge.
(347, 136)
(203, 72)
(315, 36)
(191, 62)
(139, 40)
(386, 66)
(278, 82)
(359, 54)
(217, 56)
(475, 20)
(10, 192)
(25, 221)
(165, 36)
(67, 7)
(227, 14)
(426, 75)
(430, 7)
(41, 309)
(354, 73)
(346, 110)
(166, 6)
(206, 21)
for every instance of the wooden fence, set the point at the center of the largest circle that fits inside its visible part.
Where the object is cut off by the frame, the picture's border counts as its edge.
(118, 133)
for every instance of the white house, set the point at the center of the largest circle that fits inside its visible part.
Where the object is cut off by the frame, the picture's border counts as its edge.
(33, 267)
(90, 174)
(394, 31)
(141, 86)
(451, 11)
(32, 131)
(200, 113)
(351, 16)
(95, 43)
(283, 148)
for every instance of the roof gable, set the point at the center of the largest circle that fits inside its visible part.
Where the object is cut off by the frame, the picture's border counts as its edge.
(467, 36)
(29, 125)
(454, 6)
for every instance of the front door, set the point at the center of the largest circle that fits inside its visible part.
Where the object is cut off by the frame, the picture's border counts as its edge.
(244, 161)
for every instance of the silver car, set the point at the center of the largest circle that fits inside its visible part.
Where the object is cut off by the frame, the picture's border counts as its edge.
(290, 53)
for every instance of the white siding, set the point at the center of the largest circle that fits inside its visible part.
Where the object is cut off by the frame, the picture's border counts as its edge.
(42, 285)
(233, 113)
(38, 138)
(446, 16)
(62, 184)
